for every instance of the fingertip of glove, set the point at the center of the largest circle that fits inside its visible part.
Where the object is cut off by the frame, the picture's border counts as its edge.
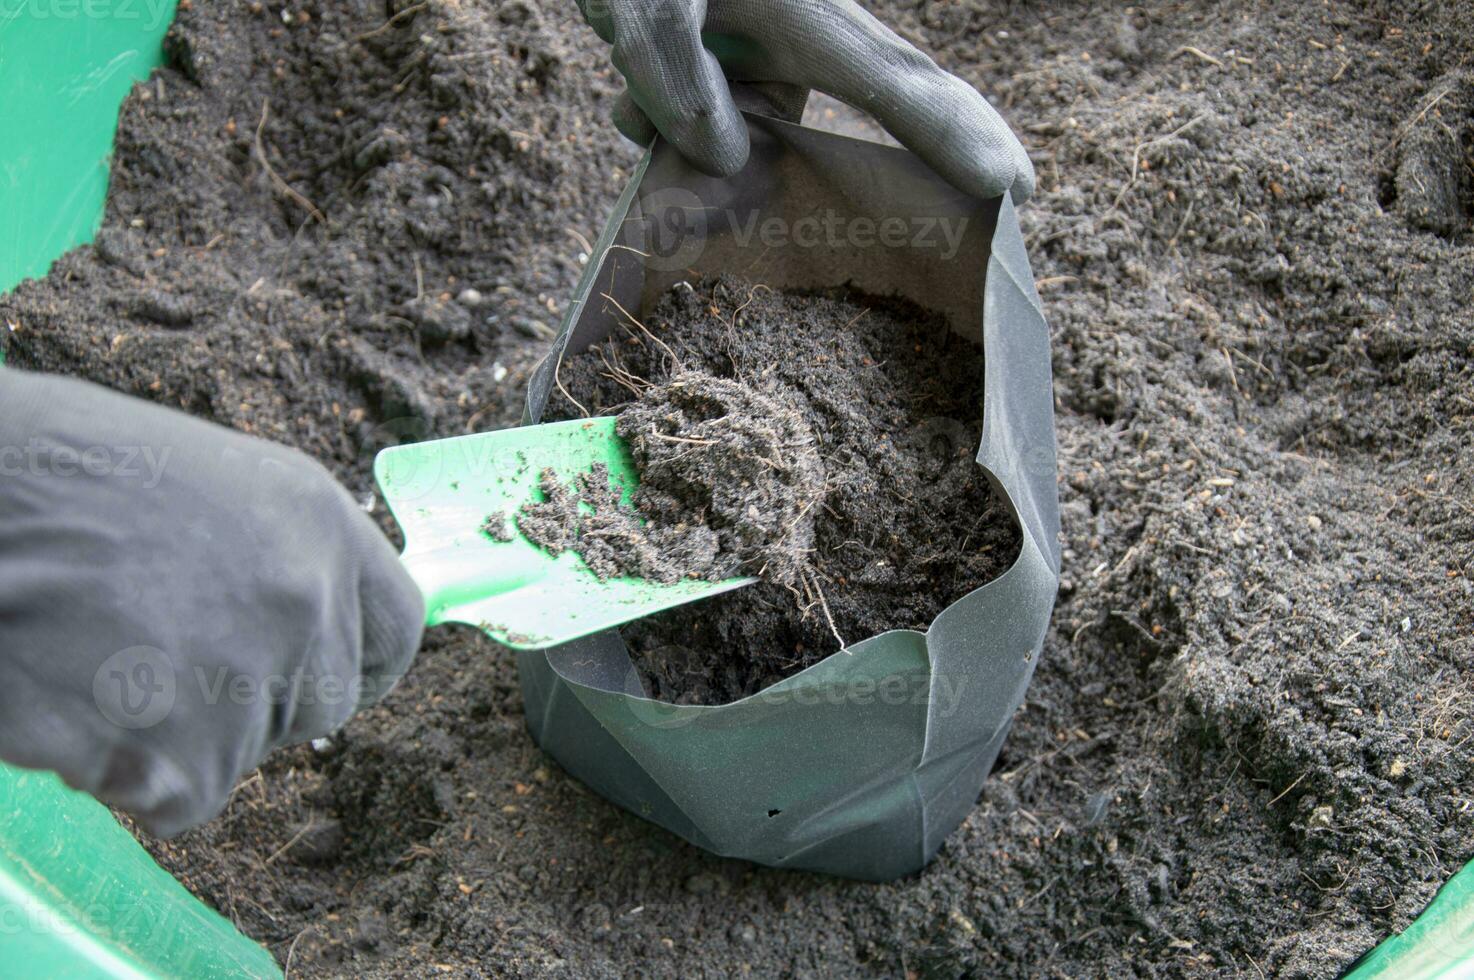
(996, 164)
(714, 143)
(986, 178)
(1024, 182)
(631, 121)
(713, 140)
(165, 824)
(163, 796)
(393, 611)
(723, 165)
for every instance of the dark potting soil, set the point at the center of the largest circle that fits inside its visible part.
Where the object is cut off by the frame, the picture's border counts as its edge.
(827, 442)
(1247, 746)
(729, 475)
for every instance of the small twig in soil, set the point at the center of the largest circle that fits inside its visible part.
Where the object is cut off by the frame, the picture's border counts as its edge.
(557, 367)
(295, 838)
(693, 442)
(1038, 894)
(828, 616)
(620, 375)
(587, 248)
(801, 512)
(619, 381)
(1233, 376)
(1407, 127)
(1330, 891)
(619, 365)
(478, 415)
(631, 318)
(276, 178)
(1136, 160)
(1198, 53)
(751, 295)
(254, 778)
(406, 12)
(286, 969)
(412, 63)
(1282, 792)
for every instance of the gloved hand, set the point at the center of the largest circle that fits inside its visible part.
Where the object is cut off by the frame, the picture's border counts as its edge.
(178, 599)
(677, 56)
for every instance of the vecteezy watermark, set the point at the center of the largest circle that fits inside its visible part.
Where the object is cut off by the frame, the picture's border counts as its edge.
(830, 229)
(149, 14)
(678, 226)
(144, 921)
(941, 694)
(40, 457)
(222, 685)
(135, 688)
(138, 687)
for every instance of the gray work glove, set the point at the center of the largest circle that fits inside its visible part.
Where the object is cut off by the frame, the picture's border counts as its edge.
(677, 56)
(178, 599)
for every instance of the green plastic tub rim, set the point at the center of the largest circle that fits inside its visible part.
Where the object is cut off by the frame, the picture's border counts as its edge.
(79, 897)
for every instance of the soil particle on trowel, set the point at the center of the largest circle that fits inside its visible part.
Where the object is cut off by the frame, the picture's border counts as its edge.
(499, 527)
(829, 441)
(589, 517)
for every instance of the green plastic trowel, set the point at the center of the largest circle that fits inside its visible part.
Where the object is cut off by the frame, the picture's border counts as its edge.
(444, 492)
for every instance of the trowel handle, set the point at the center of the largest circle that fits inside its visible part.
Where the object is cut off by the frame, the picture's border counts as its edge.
(455, 576)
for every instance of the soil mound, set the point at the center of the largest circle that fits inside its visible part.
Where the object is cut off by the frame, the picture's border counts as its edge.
(728, 479)
(1247, 748)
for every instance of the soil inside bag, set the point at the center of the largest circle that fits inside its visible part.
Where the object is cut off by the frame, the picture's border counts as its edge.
(824, 442)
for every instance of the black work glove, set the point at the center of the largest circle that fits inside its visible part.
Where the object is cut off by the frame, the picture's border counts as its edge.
(677, 56)
(178, 599)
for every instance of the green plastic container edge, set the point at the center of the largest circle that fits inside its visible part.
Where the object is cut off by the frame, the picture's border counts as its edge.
(65, 65)
(78, 895)
(1438, 944)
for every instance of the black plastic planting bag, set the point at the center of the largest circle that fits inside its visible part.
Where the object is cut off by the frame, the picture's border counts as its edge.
(863, 763)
